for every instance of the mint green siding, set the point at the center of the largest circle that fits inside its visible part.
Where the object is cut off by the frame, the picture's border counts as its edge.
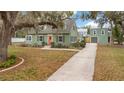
(66, 40)
(102, 37)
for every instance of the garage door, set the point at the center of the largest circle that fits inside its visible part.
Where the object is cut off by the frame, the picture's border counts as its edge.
(93, 39)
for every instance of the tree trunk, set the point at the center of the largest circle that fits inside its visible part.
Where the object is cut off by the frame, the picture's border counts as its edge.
(3, 53)
(4, 41)
(111, 36)
(3, 45)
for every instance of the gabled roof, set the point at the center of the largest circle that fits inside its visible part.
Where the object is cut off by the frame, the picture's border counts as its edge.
(69, 23)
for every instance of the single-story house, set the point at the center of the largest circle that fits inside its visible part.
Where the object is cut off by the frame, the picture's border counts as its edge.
(47, 34)
(99, 35)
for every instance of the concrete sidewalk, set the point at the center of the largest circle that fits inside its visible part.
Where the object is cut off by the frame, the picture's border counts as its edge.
(78, 68)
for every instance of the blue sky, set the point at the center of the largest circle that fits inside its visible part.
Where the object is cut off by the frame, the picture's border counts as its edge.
(80, 22)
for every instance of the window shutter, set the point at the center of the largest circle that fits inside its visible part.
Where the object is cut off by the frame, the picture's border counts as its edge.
(37, 38)
(63, 38)
(56, 38)
(43, 38)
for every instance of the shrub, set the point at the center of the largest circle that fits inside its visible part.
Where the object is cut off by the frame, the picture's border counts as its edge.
(8, 63)
(35, 45)
(61, 46)
(11, 60)
(24, 45)
(43, 43)
(12, 57)
(79, 44)
(82, 43)
(52, 45)
(58, 45)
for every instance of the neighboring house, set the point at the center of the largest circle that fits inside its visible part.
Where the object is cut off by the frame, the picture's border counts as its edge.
(99, 35)
(47, 34)
(82, 33)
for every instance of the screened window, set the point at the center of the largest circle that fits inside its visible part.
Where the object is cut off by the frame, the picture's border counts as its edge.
(94, 32)
(39, 38)
(28, 37)
(103, 32)
(60, 39)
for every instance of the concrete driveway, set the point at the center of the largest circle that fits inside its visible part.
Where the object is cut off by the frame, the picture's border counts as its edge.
(78, 68)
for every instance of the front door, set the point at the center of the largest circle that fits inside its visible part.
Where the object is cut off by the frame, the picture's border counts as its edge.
(49, 40)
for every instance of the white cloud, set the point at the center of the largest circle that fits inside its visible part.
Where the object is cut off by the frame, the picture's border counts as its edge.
(92, 24)
(82, 30)
(107, 25)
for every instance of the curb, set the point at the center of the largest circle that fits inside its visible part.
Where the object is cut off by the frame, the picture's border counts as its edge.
(13, 66)
(56, 49)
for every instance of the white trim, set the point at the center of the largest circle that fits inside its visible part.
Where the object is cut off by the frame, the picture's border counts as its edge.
(58, 39)
(28, 36)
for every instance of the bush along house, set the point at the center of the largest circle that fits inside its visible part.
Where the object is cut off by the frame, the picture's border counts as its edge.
(47, 35)
(99, 35)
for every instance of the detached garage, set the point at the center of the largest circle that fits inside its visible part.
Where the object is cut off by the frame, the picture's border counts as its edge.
(93, 39)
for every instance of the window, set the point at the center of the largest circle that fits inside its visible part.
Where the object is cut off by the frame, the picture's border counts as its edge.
(102, 32)
(73, 39)
(94, 32)
(60, 39)
(39, 38)
(28, 37)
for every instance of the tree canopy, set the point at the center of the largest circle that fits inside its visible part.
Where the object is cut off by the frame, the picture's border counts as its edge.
(10, 21)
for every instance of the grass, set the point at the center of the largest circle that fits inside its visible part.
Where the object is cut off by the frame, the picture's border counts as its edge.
(39, 64)
(109, 63)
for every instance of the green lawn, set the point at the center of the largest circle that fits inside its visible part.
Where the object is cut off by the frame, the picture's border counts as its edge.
(39, 64)
(109, 63)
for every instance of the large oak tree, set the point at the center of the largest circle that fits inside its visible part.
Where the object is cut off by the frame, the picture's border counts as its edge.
(10, 21)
